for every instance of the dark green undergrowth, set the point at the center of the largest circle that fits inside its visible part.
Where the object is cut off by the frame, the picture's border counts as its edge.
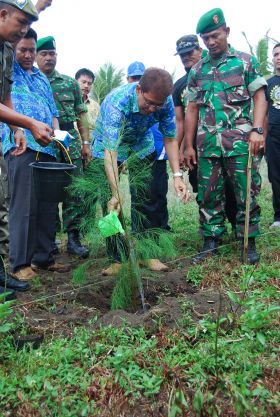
(226, 364)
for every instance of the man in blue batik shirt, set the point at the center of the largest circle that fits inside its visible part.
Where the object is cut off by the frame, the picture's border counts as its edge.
(123, 130)
(31, 222)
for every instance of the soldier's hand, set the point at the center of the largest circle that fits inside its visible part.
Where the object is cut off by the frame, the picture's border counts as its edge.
(114, 204)
(41, 132)
(256, 143)
(20, 142)
(191, 158)
(181, 189)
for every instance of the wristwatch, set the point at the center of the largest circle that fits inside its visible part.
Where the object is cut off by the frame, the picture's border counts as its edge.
(259, 130)
(18, 128)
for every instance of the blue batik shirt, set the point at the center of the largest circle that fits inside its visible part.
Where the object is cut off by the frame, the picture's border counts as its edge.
(121, 127)
(31, 96)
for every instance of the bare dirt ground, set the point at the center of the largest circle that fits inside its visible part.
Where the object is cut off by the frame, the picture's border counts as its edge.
(55, 306)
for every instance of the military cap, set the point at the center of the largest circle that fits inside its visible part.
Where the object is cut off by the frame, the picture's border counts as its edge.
(47, 43)
(26, 6)
(186, 44)
(211, 20)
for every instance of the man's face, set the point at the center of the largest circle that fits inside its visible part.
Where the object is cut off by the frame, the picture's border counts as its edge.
(276, 59)
(14, 24)
(25, 53)
(149, 102)
(216, 41)
(189, 59)
(85, 82)
(46, 60)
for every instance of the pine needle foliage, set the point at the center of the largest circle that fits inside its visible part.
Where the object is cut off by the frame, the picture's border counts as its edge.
(132, 247)
(107, 78)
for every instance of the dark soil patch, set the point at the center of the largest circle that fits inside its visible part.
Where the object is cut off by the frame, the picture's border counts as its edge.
(55, 306)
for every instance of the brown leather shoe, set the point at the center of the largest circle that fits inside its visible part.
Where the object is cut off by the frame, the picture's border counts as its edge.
(155, 265)
(56, 267)
(24, 274)
(112, 270)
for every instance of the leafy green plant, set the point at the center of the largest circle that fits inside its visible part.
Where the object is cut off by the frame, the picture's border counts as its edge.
(107, 78)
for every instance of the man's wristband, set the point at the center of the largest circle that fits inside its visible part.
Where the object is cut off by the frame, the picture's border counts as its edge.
(86, 142)
(177, 174)
(18, 128)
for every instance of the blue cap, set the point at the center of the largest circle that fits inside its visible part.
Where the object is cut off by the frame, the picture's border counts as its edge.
(136, 68)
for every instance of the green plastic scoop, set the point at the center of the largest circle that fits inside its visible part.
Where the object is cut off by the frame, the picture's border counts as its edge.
(110, 225)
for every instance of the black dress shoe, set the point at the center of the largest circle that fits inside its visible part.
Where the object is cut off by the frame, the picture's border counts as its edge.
(252, 256)
(10, 294)
(74, 246)
(6, 280)
(209, 248)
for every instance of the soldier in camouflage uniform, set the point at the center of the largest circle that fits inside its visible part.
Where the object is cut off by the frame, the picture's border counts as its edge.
(16, 17)
(222, 87)
(71, 109)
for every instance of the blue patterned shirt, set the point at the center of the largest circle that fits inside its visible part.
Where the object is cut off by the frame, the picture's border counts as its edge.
(121, 127)
(31, 96)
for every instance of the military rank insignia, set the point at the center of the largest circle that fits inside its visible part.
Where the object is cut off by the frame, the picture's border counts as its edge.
(21, 3)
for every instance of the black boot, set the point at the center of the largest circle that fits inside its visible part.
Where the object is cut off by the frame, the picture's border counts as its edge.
(6, 280)
(209, 248)
(252, 257)
(74, 246)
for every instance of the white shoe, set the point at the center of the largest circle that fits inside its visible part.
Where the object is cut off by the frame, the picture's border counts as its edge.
(275, 224)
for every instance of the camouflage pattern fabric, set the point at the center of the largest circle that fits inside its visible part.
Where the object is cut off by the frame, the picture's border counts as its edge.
(4, 231)
(69, 104)
(6, 74)
(211, 195)
(6, 70)
(223, 93)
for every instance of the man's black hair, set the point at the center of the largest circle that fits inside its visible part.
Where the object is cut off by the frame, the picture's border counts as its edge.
(276, 45)
(84, 71)
(135, 78)
(31, 34)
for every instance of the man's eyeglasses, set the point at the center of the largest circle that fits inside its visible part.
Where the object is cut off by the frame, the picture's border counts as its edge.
(151, 104)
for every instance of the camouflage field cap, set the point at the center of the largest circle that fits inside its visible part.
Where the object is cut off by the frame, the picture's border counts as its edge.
(26, 6)
(47, 43)
(211, 20)
(186, 44)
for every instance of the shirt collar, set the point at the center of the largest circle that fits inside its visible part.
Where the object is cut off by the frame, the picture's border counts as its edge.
(134, 100)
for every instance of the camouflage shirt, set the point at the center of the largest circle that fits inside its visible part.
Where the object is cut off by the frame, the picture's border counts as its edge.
(223, 93)
(6, 70)
(69, 103)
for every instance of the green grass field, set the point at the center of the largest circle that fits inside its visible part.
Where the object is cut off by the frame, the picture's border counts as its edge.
(223, 364)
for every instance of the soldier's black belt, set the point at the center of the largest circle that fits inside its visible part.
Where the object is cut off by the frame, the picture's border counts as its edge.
(66, 126)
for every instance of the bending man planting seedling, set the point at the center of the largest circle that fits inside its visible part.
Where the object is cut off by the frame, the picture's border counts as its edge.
(123, 133)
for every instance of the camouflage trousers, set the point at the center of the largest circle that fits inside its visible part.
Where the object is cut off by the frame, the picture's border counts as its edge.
(71, 207)
(4, 232)
(211, 194)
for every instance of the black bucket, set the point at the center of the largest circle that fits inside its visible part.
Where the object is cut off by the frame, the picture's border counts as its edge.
(50, 180)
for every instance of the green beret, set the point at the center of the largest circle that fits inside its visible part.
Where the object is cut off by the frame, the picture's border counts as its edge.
(211, 20)
(26, 6)
(47, 43)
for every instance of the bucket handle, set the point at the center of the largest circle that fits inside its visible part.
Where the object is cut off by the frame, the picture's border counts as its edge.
(63, 148)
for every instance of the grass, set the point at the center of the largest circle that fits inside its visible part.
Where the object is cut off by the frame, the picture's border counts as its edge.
(225, 364)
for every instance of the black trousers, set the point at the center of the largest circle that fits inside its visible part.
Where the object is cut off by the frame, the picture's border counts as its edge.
(273, 163)
(31, 222)
(149, 203)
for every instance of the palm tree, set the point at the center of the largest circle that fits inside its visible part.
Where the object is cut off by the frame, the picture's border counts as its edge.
(106, 78)
(261, 53)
